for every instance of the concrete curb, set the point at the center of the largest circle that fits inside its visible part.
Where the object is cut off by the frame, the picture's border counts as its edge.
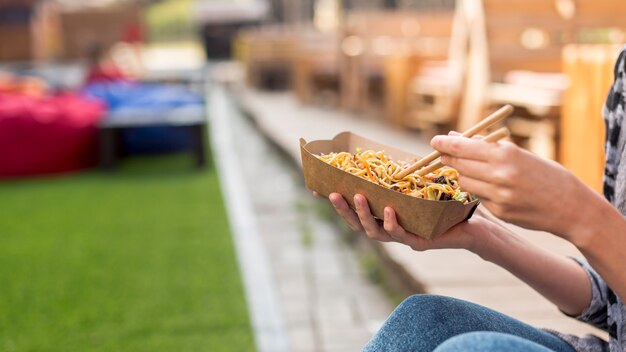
(265, 312)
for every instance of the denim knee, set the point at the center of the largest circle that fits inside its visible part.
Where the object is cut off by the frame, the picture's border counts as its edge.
(424, 322)
(485, 341)
(419, 323)
(427, 303)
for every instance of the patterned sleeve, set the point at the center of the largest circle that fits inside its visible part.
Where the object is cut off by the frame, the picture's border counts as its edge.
(597, 312)
(613, 113)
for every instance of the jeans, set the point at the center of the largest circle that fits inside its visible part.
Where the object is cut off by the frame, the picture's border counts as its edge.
(425, 323)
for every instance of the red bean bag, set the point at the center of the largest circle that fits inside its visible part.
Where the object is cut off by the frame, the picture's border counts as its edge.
(44, 135)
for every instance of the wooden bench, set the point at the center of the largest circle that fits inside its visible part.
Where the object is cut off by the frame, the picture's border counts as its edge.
(370, 37)
(515, 58)
(316, 67)
(434, 92)
(267, 55)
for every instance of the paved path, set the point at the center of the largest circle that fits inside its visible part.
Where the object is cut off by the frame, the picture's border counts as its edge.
(266, 315)
(448, 272)
(326, 303)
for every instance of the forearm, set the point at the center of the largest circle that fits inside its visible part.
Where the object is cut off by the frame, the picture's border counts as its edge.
(560, 280)
(600, 234)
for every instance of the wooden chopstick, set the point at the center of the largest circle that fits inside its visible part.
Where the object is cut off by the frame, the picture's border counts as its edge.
(492, 137)
(487, 122)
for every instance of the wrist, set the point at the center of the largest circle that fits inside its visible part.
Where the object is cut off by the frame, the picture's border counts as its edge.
(581, 209)
(598, 218)
(485, 238)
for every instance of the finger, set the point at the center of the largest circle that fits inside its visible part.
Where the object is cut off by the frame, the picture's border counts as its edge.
(479, 170)
(371, 226)
(399, 234)
(343, 209)
(391, 226)
(453, 238)
(458, 134)
(316, 195)
(497, 210)
(483, 190)
(462, 147)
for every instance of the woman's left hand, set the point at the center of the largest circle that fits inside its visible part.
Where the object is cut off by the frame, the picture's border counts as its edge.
(514, 184)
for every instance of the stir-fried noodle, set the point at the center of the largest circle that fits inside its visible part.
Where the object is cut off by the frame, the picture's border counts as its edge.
(442, 184)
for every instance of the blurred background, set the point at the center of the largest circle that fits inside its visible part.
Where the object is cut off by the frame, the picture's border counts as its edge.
(151, 196)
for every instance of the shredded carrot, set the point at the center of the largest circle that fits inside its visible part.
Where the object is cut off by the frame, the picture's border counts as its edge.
(369, 172)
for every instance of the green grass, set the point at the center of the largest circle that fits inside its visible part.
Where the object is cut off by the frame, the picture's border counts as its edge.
(139, 259)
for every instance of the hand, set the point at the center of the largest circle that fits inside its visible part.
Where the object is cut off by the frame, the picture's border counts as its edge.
(514, 184)
(471, 234)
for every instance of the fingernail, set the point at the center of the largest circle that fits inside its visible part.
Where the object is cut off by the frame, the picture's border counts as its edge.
(387, 214)
(356, 202)
(435, 140)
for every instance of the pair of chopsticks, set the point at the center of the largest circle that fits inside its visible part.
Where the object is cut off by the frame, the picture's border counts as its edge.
(495, 136)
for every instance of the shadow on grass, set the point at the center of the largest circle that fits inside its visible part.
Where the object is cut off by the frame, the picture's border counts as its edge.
(157, 166)
(143, 167)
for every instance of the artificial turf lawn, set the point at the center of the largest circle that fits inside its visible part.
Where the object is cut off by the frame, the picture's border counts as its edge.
(140, 259)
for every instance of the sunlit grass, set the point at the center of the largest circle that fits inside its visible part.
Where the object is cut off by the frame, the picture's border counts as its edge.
(139, 259)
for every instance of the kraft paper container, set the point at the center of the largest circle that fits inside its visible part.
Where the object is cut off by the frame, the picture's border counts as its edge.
(426, 218)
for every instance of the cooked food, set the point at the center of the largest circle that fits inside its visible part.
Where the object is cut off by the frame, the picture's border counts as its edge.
(376, 167)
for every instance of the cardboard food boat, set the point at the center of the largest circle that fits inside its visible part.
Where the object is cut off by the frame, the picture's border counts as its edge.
(425, 218)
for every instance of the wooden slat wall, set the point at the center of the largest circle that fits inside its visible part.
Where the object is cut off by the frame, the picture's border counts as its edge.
(508, 21)
(561, 21)
(498, 26)
(399, 24)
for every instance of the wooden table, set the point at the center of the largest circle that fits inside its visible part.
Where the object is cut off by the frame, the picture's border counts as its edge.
(590, 71)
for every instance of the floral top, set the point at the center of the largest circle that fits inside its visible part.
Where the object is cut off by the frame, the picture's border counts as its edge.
(606, 310)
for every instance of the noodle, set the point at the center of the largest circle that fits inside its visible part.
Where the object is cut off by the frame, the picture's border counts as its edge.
(376, 167)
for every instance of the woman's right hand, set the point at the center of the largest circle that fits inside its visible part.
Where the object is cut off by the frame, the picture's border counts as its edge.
(473, 235)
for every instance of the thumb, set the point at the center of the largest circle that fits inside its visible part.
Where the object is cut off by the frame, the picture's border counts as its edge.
(456, 134)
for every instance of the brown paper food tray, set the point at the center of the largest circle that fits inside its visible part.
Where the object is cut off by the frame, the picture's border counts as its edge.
(425, 218)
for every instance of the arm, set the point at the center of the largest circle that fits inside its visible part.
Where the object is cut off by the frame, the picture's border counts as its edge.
(525, 190)
(600, 234)
(528, 262)
(485, 236)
